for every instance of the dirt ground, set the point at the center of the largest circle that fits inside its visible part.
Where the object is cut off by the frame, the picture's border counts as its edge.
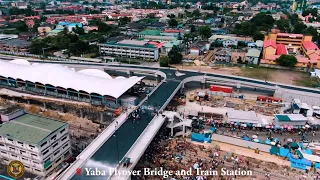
(274, 75)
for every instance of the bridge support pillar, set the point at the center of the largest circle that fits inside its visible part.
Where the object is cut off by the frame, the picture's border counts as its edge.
(158, 79)
(238, 87)
(203, 84)
(101, 117)
(28, 101)
(182, 88)
(44, 105)
(81, 113)
(130, 73)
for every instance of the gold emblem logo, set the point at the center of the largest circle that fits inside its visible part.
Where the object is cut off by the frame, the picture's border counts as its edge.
(15, 169)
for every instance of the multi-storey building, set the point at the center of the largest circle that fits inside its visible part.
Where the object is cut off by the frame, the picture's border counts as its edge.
(130, 48)
(41, 144)
(301, 46)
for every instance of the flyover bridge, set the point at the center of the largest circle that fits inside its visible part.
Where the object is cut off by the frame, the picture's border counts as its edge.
(113, 144)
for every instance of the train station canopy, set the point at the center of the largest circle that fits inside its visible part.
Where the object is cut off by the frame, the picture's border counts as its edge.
(90, 81)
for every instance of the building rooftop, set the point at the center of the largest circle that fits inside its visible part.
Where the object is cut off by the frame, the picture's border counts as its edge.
(16, 42)
(253, 53)
(63, 77)
(289, 35)
(9, 110)
(308, 45)
(281, 49)
(30, 128)
(270, 42)
(131, 43)
(290, 117)
(150, 32)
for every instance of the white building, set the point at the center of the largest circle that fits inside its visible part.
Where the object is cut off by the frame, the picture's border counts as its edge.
(257, 45)
(252, 56)
(229, 42)
(130, 48)
(9, 113)
(41, 144)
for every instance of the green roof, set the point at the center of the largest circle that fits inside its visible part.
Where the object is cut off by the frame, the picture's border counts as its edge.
(115, 43)
(152, 32)
(30, 128)
(283, 118)
(172, 43)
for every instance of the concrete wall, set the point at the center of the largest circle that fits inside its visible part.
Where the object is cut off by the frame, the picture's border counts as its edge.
(240, 142)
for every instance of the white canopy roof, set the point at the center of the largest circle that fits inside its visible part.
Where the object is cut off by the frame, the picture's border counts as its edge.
(58, 75)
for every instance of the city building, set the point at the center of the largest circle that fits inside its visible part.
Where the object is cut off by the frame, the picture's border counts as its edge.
(257, 45)
(130, 48)
(41, 144)
(299, 5)
(8, 113)
(15, 45)
(91, 86)
(229, 42)
(223, 55)
(253, 56)
(290, 119)
(301, 46)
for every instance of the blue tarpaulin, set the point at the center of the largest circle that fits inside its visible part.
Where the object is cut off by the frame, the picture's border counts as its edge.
(246, 138)
(318, 165)
(284, 152)
(197, 137)
(307, 151)
(299, 161)
(213, 129)
(268, 141)
(299, 166)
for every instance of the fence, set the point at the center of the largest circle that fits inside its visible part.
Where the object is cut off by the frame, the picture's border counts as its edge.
(241, 142)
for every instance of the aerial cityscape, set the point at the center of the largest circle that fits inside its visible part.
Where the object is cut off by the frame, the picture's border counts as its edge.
(152, 90)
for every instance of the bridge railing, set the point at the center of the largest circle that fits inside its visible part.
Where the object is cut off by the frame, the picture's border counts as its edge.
(153, 135)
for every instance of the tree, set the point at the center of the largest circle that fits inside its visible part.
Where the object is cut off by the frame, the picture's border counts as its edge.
(124, 20)
(171, 16)
(78, 30)
(298, 27)
(175, 55)
(311, 31)
(196, 13)
(192, 28)
(205, 32)
(21, 26)
(187, 6)
(283, 25)
(173, 23)
(287, 60)
(318, 19)
(310, 19)
(258, 36)
(164, 61)
(239, 60)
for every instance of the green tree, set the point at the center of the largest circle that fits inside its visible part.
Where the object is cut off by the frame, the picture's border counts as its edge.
(187, 6)
(287, 60)
(310, 19)
(21, 26)
(239, 60)
(311, 31)
(175, 55)
(124, 20)
(171, 16)
(192, 28)
(196, 13)
(318, 19)
(164, 61)
(299, 27)
(173, 23)
(205, 32)
(78, 30)
(283, 25)
(258, 36)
